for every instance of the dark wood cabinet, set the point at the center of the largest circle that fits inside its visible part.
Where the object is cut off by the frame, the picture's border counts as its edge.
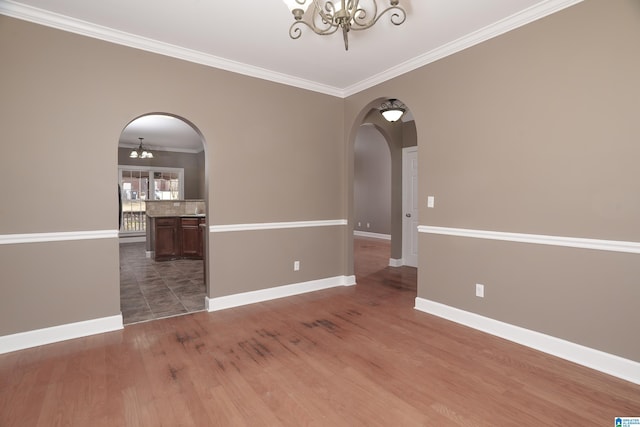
(167, 242)
(178, 237)
(191, 237)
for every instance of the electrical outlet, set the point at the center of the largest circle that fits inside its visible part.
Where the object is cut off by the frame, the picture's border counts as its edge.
(296, 265)
(368, 225)
(359, 224)
(479, 290)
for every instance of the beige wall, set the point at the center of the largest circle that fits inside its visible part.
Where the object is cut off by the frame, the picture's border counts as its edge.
(535, 131)
(65, 96)
(54, 283)
(249, 260)
(372, 182)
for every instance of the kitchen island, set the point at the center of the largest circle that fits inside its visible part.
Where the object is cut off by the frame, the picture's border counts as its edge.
(175, 229)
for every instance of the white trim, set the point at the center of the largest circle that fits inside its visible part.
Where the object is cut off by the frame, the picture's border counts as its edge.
(595, 359)
(372, 235)
(11, 239)
(22, 340)
(237, 300)
(512, 22)
(540, 239)
(55, 20)
(393, 262)
(275, 225)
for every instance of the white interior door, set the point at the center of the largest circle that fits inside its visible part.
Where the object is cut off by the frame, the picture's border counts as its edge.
(410, 206)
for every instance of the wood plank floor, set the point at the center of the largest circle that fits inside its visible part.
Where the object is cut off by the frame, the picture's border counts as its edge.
(353, 356)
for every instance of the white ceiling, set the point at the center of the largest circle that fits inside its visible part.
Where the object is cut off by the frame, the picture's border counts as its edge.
(161, 132)
(252, 36)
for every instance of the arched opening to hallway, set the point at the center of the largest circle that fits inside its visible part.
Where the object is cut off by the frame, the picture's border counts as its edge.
(384, 211)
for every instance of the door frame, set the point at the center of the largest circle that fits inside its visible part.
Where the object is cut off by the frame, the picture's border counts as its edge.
(410, 206)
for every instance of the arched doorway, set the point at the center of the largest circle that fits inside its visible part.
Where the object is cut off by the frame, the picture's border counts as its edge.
(400, 138)
(163, 219)
(371, 200)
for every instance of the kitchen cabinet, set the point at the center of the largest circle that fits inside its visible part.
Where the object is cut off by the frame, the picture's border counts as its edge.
(178, 237)
(167, 245)
(191, 237)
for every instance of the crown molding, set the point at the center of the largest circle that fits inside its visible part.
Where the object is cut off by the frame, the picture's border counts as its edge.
(84, 28)
(77, 26)
(503, 26)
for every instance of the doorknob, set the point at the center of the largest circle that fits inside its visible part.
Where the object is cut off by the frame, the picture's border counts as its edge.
(408, 215)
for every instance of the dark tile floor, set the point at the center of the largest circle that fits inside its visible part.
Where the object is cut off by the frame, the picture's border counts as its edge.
(153, 290)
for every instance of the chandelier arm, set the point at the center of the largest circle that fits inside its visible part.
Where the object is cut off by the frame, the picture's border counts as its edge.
(326, 15)
(329, 28)
(329, 10)
(359, 14)
(397, 18)
(295, 31)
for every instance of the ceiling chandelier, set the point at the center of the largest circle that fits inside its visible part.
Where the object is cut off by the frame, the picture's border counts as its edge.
(328, 16)
(392, 110)
(141, 152)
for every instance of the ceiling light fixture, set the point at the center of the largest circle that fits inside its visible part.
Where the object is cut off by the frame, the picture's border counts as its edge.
(392, 110)
(327, 16)
(140, 152)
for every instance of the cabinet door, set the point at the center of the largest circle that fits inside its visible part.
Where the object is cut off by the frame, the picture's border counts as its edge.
(167, 243)
(191, 238)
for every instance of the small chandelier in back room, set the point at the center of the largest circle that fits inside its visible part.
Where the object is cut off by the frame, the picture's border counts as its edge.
(328, 16)
(140, 152)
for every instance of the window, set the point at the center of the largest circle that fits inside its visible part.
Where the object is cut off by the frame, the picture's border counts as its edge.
(166, 185)
(140, 183)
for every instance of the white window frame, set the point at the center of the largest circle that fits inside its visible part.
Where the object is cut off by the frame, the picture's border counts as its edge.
(151, 170)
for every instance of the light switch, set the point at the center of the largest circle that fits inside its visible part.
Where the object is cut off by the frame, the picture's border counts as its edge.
(431, 201)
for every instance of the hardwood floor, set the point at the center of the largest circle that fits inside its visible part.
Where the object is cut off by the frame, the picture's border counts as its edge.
(347, 356)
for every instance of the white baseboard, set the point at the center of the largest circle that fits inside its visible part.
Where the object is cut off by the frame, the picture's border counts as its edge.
(616, 366)
(393, 262)
(53, 334)
(237, 300)
(372, 235)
